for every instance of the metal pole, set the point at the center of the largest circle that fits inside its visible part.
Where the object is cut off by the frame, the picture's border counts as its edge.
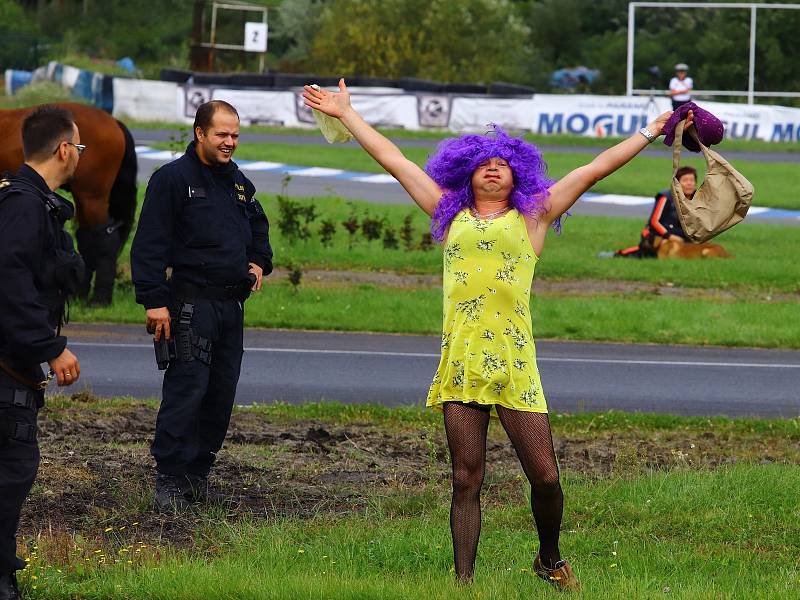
(751, 74)
(631, 25)
(213, 23)
(262, 61)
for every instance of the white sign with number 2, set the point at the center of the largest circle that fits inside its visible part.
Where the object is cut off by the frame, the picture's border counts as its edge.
(255, 37)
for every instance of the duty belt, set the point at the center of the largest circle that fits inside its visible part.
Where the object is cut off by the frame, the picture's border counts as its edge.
(26, 381)
(190, 291)
(18, 398)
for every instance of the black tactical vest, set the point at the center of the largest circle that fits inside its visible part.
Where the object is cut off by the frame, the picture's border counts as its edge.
(64, 268)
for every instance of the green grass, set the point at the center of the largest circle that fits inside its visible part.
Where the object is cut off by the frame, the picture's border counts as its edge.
(621, 318)
(643, 176)
(42, 92)
(404, 134)
(725, 533)
(749, 300)
(763, 255)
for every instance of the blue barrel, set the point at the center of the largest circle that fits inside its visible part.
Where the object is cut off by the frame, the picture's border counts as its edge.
(83, 86)
(16, 80)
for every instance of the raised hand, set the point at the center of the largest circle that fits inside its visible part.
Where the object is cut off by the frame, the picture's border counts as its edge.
(334, 104)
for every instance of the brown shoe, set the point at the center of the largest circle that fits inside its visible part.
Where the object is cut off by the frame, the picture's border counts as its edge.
(562, 578)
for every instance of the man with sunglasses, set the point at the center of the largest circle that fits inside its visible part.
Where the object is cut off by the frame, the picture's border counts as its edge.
(39, 268)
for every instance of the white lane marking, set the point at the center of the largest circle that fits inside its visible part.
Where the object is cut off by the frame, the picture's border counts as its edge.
(382, 178)
(318, 172)
(160, 155)
(618, 199)
(260, 165)
(605, 361)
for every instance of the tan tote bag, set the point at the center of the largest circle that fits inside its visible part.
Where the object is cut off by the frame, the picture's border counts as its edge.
(722, 200)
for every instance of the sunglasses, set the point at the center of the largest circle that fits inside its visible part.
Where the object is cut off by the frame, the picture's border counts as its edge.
(79, 147)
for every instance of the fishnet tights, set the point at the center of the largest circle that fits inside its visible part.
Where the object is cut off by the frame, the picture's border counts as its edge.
(466, 426)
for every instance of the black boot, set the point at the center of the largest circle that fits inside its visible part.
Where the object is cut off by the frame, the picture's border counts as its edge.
(8, 587)
(197, 489)
(169, 496)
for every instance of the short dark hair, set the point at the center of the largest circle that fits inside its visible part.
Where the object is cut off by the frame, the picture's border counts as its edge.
(45, 128)
(206, 111)
(685, 171)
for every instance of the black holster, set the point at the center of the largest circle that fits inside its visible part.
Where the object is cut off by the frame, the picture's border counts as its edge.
(11, 429)
(165, 351)
(189, 345)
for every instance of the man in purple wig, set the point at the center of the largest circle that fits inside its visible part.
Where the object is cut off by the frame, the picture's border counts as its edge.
(491, 204)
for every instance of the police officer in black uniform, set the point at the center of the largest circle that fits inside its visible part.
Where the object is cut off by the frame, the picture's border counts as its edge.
(38, 269)
(201, 225)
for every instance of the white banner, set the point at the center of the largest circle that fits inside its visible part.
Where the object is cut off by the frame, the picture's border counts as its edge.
(474, 114)
(261, 106)
(603, 116)
(592, 116)
(145, 100)
(391, 110)
(757, 121)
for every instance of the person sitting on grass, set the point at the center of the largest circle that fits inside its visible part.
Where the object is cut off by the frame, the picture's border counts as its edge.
(663, 223)
(491, 205)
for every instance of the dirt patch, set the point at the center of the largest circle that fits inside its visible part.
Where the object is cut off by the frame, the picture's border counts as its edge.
(97, 473)
(541, 286)
(327, 278)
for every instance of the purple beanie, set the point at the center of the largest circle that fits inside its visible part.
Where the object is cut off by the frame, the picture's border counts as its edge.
(708, 127)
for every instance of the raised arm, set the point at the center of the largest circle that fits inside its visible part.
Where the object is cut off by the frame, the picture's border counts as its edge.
(424, 190)
(566, 191)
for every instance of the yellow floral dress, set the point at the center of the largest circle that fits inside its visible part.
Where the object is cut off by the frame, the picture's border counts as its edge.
(488, 354)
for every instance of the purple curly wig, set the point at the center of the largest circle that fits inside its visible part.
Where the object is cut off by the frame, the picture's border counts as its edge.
(456, 160)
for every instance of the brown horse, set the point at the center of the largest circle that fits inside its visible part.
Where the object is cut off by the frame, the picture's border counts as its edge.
(104, 187)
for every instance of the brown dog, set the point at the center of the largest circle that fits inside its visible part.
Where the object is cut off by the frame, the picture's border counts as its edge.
(675, 249)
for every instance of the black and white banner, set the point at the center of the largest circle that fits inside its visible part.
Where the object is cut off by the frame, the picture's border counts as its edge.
(592, 116)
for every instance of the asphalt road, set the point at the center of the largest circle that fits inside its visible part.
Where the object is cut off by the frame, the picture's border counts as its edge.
(294, 367)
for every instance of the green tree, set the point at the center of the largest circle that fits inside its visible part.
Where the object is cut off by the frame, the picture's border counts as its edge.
(293, 27)
(21, 38)
(447, 40)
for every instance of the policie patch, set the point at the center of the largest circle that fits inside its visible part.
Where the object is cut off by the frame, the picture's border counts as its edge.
(239, 192)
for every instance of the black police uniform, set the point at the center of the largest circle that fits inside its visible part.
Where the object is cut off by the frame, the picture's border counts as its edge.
(205, 224)
(38, 268)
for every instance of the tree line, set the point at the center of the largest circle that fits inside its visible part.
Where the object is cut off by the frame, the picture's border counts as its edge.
(475, 41)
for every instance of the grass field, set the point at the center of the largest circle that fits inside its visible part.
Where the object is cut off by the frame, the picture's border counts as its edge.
(643, 176)
(763, 255)
(350, 502)
(749, 300)
(405, 134)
